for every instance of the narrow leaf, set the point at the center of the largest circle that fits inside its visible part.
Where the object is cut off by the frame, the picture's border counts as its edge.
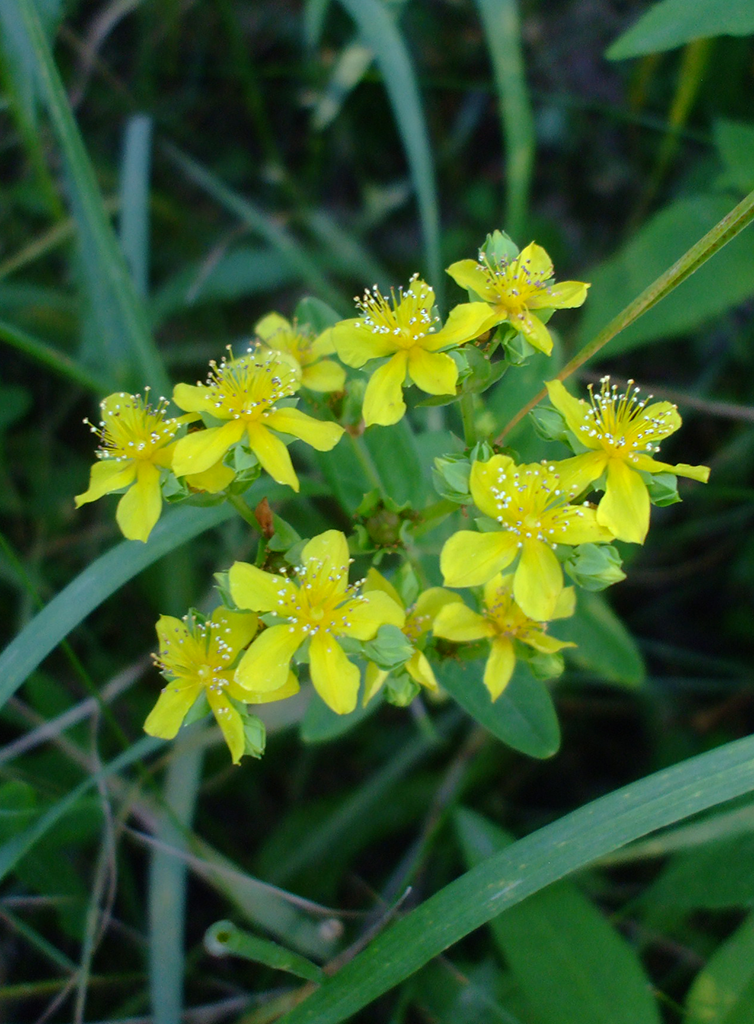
(224, 939)
(672, 23)
(723, 991)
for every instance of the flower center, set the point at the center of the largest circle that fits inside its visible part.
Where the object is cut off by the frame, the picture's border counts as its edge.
(618, 421)
(531, 503)
(514, 282)
(505, 615)
(248, 388)
(406, 319)
(201, 655)
(131, 428)
(320, 603)
(295, 342)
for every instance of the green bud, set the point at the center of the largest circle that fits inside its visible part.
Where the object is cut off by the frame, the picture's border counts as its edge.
(544, 666)
(517, 349)
(662, 487)
(594, 566)
(389, 649)
(451, 478)
(499, 247)
(254, 734)
(550, 424)
(284, 536)
(401, 689)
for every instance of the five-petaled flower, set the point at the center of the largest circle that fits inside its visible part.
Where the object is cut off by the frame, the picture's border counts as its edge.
(405, 329)
(199, 657)
(621, 432)
(419, 619)
(309, 351)
(532, 506)
(136, 442)
(244, 392)
(502, 623)
(514, 288)
(319, 607)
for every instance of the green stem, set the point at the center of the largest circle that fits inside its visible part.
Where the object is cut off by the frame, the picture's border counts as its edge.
(433, 515)
(697, 255)
(366, 462)
(246, 513)
(467, 416)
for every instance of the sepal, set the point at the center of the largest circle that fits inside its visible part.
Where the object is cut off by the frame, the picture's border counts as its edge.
(594, 566)
(662, 487)
(389, 649)
(401, 689)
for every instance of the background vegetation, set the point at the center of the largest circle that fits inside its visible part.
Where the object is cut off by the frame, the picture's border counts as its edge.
(248, 153)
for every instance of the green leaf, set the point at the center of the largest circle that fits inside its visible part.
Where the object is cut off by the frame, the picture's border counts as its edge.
(134, 199)
(604, 645)
(571, 965)
(321, 724)
(224, 939)
(716, 876)
(124, 349)
(726, 280)
(383, 37)
(723, 991)
(525, 868)
(523, 716)
(735, 145)
(672, 23)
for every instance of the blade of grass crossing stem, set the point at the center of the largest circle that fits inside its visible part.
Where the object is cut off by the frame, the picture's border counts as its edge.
(722, 233)
(259, 222)
(134, 199)
(102, 578)
(526, 867)
(124, 342)
(167, 888)
(56, 361)
(382, 35)
(502, 29)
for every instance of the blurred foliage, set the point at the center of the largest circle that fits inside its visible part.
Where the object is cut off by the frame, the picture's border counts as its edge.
(248, 153)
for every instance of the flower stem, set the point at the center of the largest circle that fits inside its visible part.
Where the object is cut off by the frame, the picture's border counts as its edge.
(246, 513)
(467, 416)
(433, 515)
(366, 462)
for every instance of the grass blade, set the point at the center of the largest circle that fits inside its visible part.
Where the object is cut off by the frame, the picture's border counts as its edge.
(526, 867)
(383, 37)
(224, 939)
(54, 360)
(502, 29)
(124, 341)
(134, 199)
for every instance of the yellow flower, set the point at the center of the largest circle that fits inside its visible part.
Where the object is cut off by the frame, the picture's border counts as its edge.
(515, 288)
(622, 434)
(419, 619)
(502, 622)
(404, 328)
(200, 657)
(531, 505)
(317, 373)
(320, 607)
(136, 442)
(244, 392)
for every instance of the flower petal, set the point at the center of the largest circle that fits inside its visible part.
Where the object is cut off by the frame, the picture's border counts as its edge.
(573, 410)
(533, 330)
(581, 524)
(166, 717)
(324, 376)
(326, 559)
(355, 342)
(272, 454)
(229, 720)
(428, 607)
(624, 508)
(383, 401)
(266, 664)
(536, 260)
(566, 603)
(469, 274)
(538, 581)
(577, 473)
(203, 449)
(271, 324)
(459, 623)
(648, 465)
(235, 629)
(565, 295)
(320, 434)
(465, 322)
(421, 672)
(335, 678)
(376, 581)
(259, 591)
(543, 642)
(374, 677)
(470, 559)
(212, 480)
(289, 688)
(139, 508)
(499, 667)
(433, 372)
(661, 419)
(362, 617)
(194, 398)
(485, 477)
(106, 476)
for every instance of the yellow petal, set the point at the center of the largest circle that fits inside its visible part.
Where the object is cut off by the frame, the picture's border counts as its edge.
(363, 616)
(212, 480)
(485, 477)
(229, 721)
(538, 581)
(335, 678)
(376, 581)
(168, 628)
(140, 507)
(465, 322)
(428, 606)
(648, 465)
(259, 591)
(536, 260)
(323, 345)
(433, 372)
(662, 419)
(271, 324)
(499, 584)
(194, 398)
(288, 689)
(320, 434)
(203, 449)
(356, 344)
(460, 624)
(383, 401)
(421, 672)
(236, 628)
(469, 274)
(566, 603)
(573, 410)
(534, 331)
(324, 376)
(499, 667)
(374, 677)
(582, 526)
(624, 508)
(470, 559)
(166, 717)
(272, 454)
(577, 473)
(106, 476)
(542, 642)
(266, 664)
(326, 559)
(565, 295)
